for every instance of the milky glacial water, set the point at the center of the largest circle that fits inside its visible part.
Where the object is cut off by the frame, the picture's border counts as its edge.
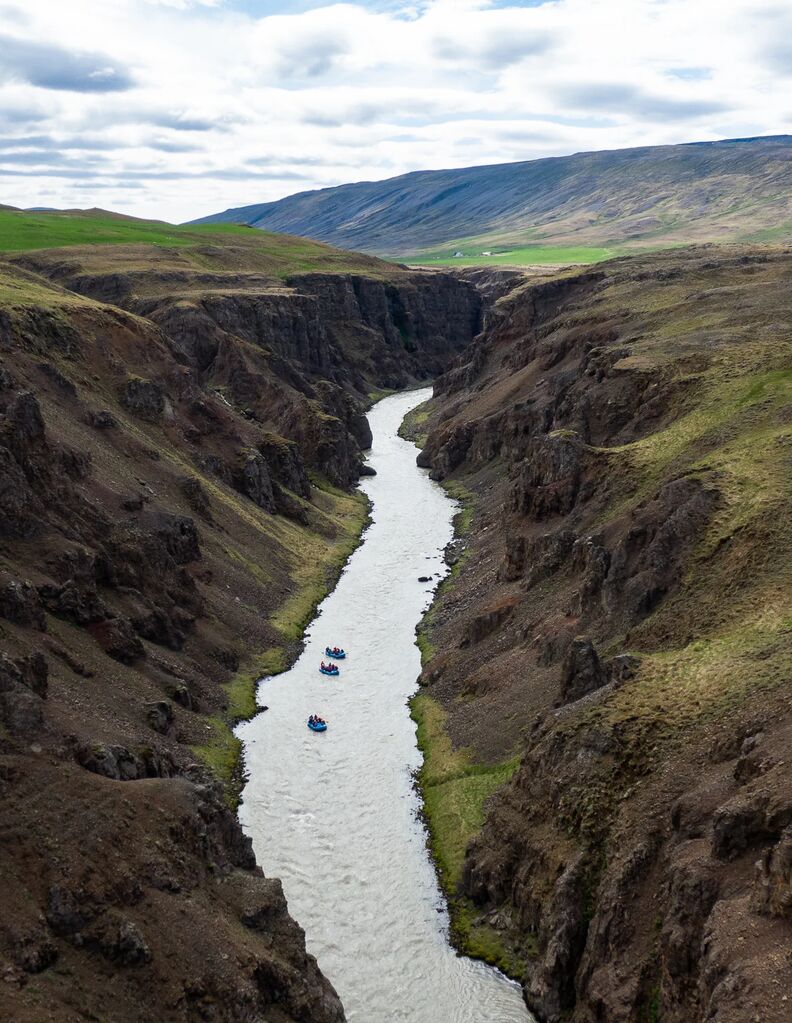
(335, 815)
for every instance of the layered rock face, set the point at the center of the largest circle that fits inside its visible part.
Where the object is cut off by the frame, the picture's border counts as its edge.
(165, 519)
(298, 355)
(625, 434)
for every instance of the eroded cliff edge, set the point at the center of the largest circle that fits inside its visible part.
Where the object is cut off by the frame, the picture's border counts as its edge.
(179, 432)
(616, 642)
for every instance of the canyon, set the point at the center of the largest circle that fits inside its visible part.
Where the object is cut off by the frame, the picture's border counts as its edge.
(603, 706)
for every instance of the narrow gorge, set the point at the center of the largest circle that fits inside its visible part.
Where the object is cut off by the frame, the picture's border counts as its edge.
(603, 706)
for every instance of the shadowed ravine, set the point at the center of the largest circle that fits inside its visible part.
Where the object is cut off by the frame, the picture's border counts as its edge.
(335, 815)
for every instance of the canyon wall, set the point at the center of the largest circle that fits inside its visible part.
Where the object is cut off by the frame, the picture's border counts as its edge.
(178, 447)
(619, 620)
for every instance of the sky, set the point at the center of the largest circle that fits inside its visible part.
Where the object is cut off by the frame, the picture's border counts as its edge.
(174, 109)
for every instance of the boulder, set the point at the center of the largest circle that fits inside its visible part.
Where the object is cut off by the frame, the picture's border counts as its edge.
(183, 696)
(67, 911)
(130, 948)
(144, 399)
(102, 419)
(252, 479)
(34, 673)
(35, 952)
(737, 826)
(158, 626)
(23, 687)
(20, 603)
(134, 503)
(359, 427)
(623, 667)
(582, 671)
(122, 764)
(160, 716)
(195, 495)
(76, 600)
(114, 762)
(117, 637)
(21, 710)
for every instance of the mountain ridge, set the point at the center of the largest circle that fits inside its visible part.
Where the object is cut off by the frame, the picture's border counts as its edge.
(653, 196)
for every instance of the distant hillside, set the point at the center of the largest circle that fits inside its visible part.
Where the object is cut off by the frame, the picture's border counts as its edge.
(572, 208)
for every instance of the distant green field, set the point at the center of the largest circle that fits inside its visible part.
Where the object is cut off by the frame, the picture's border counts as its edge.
(532, 255)
(21, 231)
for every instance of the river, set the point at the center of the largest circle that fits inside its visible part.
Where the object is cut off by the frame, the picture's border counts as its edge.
(335, 815)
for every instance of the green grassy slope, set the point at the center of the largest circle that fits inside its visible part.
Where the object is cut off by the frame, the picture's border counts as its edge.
(20, 230)
(230, 245)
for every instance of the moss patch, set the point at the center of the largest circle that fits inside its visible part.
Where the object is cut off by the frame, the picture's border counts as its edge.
(413, 426)
(454, 789)
(378, 394)
(317, 575)
(222, 754)
(463, 520)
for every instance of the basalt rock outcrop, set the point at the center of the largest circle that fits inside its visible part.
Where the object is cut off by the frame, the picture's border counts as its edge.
(298, 355)
(625, 435)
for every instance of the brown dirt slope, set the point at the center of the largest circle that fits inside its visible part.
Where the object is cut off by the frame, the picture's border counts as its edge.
(620, 617)
(177, 445)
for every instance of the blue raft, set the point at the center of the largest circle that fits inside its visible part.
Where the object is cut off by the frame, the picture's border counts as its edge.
(330, 671)
(317, 726)
(338, 656)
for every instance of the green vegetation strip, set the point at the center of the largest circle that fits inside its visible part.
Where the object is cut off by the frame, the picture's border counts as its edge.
(531, 255)
(455, 791)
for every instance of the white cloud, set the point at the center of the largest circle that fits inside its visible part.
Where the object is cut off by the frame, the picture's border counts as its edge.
(204, 105)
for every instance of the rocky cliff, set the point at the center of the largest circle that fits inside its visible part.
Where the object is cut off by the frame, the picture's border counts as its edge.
(298, 353)
(178, 435)
(616, 639)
